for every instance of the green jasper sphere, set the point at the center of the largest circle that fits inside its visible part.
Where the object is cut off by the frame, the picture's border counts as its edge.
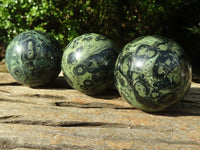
(33, 58)
(152, 73)
(88, 63)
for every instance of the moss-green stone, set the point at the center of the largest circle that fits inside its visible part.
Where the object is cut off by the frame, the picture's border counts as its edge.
(152, 73)
(33, 58)
(88, 63)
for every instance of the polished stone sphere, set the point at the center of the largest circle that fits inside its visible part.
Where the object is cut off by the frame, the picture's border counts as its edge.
(88, 63)
(33, 58)
(152, 73)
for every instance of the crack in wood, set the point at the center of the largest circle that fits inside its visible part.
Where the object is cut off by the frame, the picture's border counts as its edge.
(93, 124)
(90, 105)
(10, 84)
(43, 96)
(9, 117)
(13, 101)
(66, 123)
(6, 100)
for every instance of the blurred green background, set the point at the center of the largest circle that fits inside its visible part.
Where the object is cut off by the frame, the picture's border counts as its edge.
(120, 20)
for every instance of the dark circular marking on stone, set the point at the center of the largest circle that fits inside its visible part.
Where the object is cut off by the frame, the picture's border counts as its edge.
(79, 70)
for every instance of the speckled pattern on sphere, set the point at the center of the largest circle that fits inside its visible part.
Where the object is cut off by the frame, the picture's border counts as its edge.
(34, 58)
(152, 73)
(88, 63)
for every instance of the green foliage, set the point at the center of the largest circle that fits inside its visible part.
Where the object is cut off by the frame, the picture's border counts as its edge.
(47, 15)
(120, 20)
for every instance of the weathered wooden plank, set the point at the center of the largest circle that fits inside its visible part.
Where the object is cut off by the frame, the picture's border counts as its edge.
(44, 137)
(58, 117)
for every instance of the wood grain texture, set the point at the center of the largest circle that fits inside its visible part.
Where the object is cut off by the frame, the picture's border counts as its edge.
(58, 117)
